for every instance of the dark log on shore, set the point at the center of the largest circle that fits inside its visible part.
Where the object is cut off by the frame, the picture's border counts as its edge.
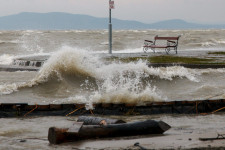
(58, 135)
(87, 120)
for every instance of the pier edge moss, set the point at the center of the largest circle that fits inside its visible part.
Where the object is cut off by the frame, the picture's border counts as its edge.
(169, 59)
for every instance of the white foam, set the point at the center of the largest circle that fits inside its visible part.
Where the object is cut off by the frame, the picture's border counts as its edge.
(208, 44)
(221, 41)
(6, 59)
(8, 88)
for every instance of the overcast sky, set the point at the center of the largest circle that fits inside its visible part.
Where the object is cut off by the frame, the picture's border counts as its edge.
(147, 11)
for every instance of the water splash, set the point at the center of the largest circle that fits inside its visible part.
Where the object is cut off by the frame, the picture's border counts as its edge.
(101, 81)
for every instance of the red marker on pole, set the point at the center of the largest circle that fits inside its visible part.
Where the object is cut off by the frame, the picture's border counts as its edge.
(111, 5)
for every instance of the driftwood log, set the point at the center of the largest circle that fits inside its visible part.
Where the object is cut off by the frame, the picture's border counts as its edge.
(60, 135)
(87, 120)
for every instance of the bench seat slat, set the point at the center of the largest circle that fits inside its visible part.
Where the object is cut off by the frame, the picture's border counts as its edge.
(157, 46)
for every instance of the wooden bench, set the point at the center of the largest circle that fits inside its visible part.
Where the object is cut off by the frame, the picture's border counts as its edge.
(170, 43)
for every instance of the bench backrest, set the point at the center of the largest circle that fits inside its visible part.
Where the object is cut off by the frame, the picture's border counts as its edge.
(166, 38)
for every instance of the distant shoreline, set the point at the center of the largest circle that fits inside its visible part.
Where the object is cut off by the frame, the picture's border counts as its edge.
(67, 21)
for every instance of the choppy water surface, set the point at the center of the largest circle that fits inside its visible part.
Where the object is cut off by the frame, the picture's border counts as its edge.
(74, 75)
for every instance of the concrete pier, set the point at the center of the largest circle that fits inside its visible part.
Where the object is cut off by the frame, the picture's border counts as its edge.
(13, 68)
(150, 108)
(33, 63)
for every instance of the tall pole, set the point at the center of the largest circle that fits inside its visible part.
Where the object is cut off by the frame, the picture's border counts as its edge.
(110, 30)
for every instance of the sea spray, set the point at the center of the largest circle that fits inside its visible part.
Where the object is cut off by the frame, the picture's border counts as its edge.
(68, 61)
(113, 83)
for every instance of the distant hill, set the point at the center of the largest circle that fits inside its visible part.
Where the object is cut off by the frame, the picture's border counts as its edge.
(63, 21)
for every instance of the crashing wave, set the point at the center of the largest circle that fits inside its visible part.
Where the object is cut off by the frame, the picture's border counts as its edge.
(99, 81)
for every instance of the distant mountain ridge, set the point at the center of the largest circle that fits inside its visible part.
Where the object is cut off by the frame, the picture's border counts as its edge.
(66, 21)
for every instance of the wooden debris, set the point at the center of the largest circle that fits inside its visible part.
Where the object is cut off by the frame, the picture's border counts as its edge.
(61, 135)
(141, 147)
(219, 137)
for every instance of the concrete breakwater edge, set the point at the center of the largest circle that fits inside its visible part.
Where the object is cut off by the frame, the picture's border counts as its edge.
(33, 63)
(202, 107)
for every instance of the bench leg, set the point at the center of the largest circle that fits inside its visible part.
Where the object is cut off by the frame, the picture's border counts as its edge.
(153, 49)
(167, 50)
(145, 49)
